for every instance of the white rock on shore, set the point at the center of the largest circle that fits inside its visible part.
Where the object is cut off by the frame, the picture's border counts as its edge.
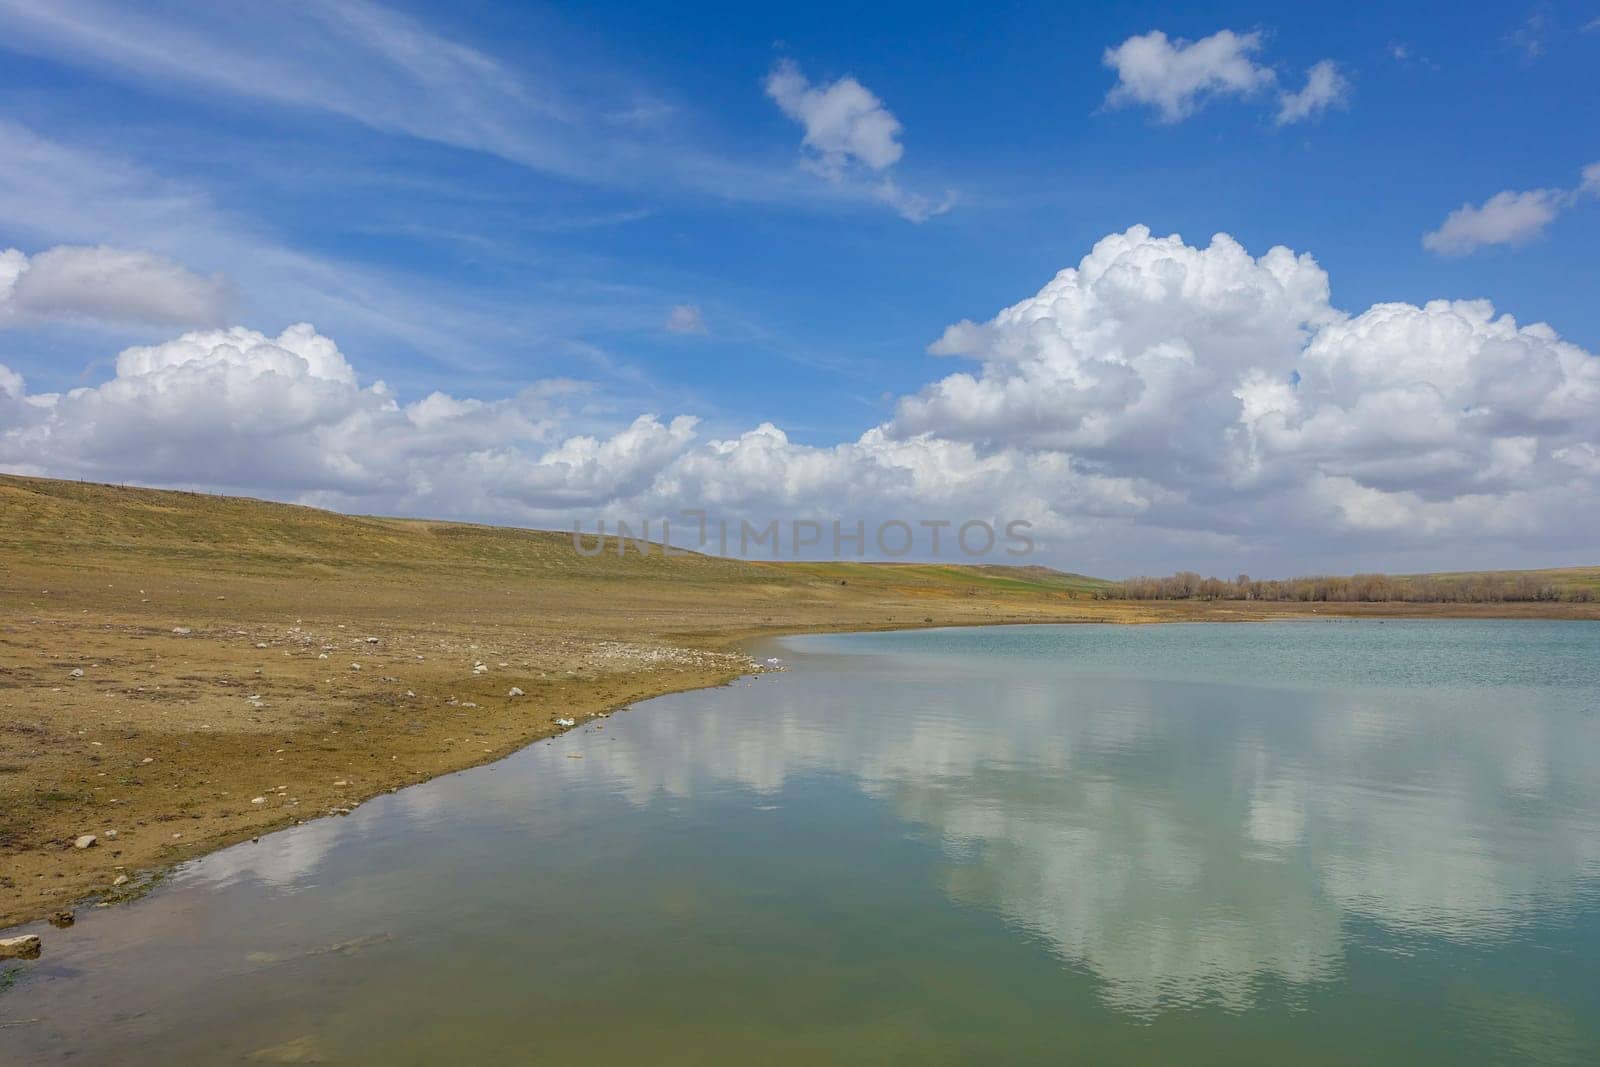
(26, 947)
(85, 841)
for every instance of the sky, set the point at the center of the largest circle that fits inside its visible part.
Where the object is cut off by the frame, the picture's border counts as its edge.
(1247, 289)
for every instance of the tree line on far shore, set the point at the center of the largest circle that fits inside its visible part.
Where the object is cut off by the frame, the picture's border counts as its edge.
(1358, 588)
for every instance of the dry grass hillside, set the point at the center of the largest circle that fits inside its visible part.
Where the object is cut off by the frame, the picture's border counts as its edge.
(179, 671)
(230, 647)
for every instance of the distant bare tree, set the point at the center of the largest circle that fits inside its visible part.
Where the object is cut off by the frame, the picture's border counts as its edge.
(1485, 588)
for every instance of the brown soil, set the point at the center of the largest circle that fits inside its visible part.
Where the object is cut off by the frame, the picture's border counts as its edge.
(276, 705)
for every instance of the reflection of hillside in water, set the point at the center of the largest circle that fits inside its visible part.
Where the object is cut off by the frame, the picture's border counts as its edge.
(1183, 843)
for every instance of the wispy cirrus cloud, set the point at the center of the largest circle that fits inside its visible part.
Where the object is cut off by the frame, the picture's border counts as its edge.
(54, 193)
(589, 123)
(685, 319)
(355, 59)
(1529, 36)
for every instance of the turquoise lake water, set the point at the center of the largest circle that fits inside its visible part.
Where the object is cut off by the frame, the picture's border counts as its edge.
(1319, 842)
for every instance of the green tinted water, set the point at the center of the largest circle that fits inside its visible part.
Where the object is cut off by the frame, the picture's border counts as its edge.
(1320, 842)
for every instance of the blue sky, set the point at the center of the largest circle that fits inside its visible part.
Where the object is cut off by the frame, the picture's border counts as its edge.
(475, 200)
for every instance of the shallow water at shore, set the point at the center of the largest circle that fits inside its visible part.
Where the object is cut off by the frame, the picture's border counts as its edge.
(1313, 842)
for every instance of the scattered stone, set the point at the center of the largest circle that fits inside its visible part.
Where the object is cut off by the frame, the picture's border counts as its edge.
(468, 704)
(76, 672)
(61, 920)
(516, 691)
(566, 722)
(119, 880)
(409, 693)
(26, 947)
(341, 781)
(148, 759)
(372, 640)
(181, 630)
(300, 1050)
(111, 835)
(355, 666)
(84, 841)
(258, 800)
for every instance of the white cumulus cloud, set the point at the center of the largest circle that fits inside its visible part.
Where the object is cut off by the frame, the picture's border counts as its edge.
(1508, 217)
(111, 284)
(1236, 399)
(1590, 186)
(847, 130)
(843, 120)
(236, 408)
(1326, 87)
(1156, 404)
(1176, 77)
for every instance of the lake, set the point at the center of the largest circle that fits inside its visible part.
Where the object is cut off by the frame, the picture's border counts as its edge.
(1326, 841)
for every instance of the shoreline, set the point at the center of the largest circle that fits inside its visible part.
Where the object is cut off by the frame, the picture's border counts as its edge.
(590, 701)
(180, 672)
